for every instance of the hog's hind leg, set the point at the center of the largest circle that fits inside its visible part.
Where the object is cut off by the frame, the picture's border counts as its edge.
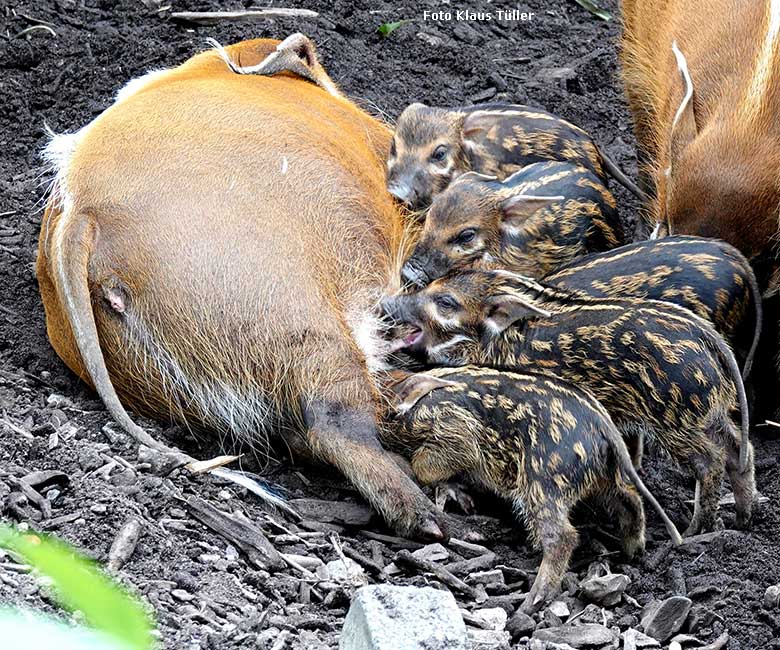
(550, 526)
(708, 464)
(742, 483)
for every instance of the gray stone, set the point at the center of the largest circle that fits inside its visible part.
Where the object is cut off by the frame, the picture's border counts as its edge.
(605, 590)
(491, 577)
(347, 571)
(521, 624)
(772, 597)
(429, 39)
(663, 620)
(634, 640)
(559, 609)
(581, 636)
(699, 617)
(493, 618)
(385, 617)
(488, 639)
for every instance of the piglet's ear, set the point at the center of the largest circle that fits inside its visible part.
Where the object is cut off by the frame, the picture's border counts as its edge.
(505, 310)
(519, 207)
(478, 124)
(414, 388)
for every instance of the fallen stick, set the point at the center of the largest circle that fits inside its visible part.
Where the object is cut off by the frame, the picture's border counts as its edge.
(367, 563)
(239, 532)
(124, 544)
(251, 15)
(404, 557)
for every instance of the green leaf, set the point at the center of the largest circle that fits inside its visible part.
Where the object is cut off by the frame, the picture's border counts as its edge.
(593, 8)
(80, 585)
(388, 28)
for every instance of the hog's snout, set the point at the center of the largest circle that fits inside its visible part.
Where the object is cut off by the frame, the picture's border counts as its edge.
(412, 274)
(389, 306)
(404, 192)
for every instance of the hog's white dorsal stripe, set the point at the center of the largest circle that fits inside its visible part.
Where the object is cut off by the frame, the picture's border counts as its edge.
(767, 64)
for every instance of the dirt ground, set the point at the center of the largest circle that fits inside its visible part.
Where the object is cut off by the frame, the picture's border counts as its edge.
(203, 590)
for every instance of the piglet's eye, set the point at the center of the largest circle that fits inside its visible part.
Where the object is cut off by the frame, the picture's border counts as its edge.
(439, 153)
(447, 302)
(392, 148)
(466, 236)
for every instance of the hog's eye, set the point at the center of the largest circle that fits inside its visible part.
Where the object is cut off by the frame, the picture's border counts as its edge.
(446, 302)
(466, 236)
(439, 153)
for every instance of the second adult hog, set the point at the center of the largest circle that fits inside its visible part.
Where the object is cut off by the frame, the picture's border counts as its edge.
(657, 368)
(535, 221)
(542, 444)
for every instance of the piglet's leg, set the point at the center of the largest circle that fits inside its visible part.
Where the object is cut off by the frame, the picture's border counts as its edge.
(550, 525)
(742, 483)
(627, 506)
(708, 466)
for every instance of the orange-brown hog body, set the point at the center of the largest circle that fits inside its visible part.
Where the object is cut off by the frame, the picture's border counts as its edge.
(712, 145)
(540, 443)
(225, 236)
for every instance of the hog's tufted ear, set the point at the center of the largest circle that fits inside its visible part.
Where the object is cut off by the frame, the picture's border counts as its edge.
(412, 389)
(505, 310)
(684, 128)
(519, 207)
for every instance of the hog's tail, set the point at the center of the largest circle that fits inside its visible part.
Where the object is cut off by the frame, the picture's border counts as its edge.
(728, 357)
(71, 247)
(624, 460)
(620, 176)
(759, 312)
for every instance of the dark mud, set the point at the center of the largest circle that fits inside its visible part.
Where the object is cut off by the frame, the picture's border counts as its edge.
(203, 592)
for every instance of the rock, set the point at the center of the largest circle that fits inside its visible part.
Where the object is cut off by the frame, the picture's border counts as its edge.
(520, 625)
(429, 39)
(182, 595)
(385, 617)
(634, 639)
(772, 597)
(559, 609)
(536, 644)
(699, 617)
(483, 95)
(491, 577)
(89, 459)
(557, 76)
(595, 614)
(663, 620)
(347, 571)
(487, 640)
(432, 553)
(581, 636)
(605, 590)
(498, 81)
(466, 33)
(493, 618)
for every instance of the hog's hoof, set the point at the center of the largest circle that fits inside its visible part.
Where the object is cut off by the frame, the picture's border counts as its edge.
(456, 494)
(538, 597)
(633, 547)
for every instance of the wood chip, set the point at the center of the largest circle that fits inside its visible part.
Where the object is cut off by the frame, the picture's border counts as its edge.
(333, 512)
(405, 558)
(240, 532)
(252, 15)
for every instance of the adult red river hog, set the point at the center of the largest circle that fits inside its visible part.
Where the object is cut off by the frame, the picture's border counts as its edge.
(703, 82)
(213, 251)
